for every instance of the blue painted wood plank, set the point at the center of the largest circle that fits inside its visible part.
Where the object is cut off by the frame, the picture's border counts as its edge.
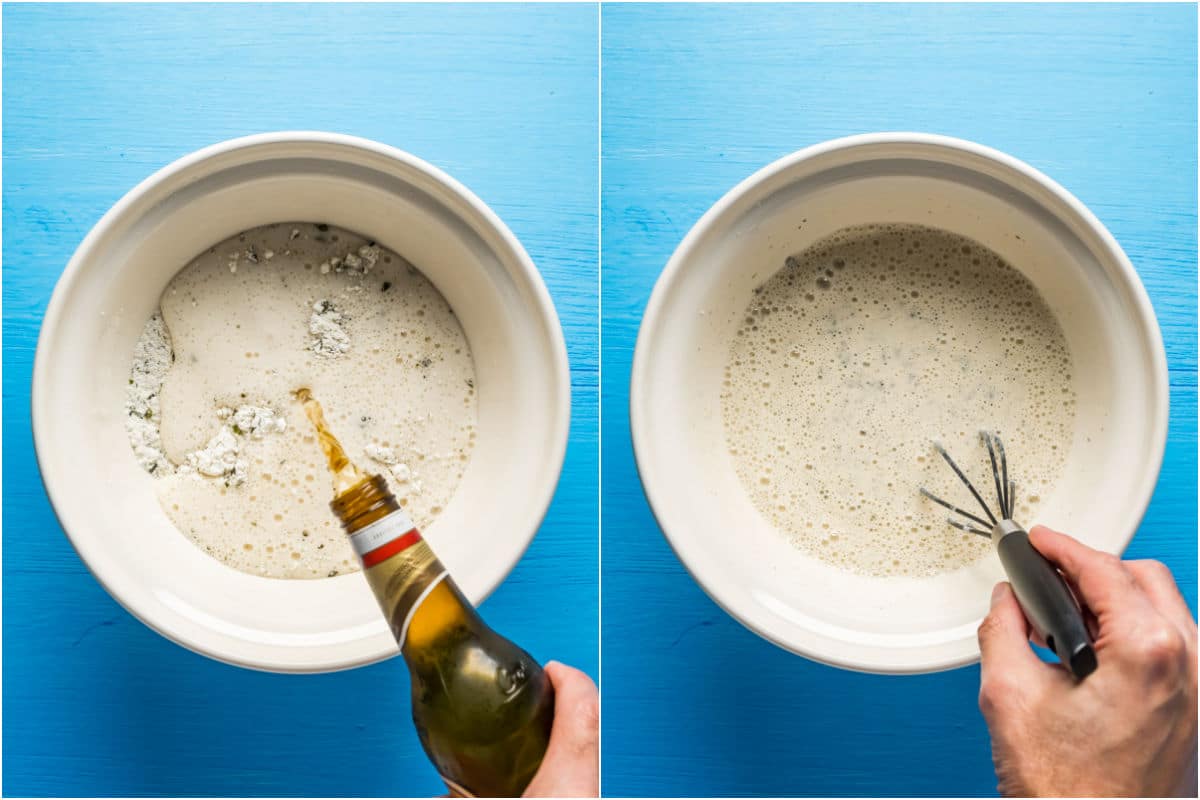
(505, 98)
(1102, 98)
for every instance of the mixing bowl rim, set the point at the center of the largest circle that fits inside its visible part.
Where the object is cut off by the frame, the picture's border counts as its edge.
(1146, 323)
(271, 657)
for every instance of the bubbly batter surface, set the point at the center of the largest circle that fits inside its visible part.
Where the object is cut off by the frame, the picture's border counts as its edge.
(246, 323)
(856, 355)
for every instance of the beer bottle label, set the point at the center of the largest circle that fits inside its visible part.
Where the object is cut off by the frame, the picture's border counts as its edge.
(400, 567)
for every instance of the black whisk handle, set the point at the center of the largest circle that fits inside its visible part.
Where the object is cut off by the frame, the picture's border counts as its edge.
(1045, 598)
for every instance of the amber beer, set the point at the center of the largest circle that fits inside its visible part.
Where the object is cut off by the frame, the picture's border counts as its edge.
(482, 706)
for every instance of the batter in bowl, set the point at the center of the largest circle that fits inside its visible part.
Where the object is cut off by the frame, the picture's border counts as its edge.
(210, 408)
(858, 353)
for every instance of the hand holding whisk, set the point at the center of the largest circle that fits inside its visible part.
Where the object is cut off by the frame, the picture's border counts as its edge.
(1042, 592)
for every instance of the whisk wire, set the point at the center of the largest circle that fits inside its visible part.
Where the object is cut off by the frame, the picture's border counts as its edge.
(953, 508)
(966, 481)
(1008, 485)
(987, 440)
(1006, 490)
(968, 528)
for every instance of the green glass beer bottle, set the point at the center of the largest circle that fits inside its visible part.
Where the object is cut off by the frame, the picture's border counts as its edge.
(481, 705)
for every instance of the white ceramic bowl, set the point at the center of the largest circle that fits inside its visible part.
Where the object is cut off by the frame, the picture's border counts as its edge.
(893, 625)
(106, 503)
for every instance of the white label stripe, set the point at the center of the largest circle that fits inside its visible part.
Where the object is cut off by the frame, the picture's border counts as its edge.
(380, 532)
(417, 604)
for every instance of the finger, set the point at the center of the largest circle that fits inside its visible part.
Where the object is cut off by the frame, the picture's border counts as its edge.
(1105, 585)
(1089, 618)
(576, 728)
(1159, 585)
(1008, 666)
(571, 766)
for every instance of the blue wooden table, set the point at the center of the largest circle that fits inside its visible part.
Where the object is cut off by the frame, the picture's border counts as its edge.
(1101, 98)
(95, 99)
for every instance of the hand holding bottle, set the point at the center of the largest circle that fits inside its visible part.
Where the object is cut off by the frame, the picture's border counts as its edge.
(571, 766)
(1129, 729)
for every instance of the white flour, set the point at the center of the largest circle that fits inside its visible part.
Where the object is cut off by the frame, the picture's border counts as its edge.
(151, 360)
(220, 457)
(387, 457)
(254, 421)
(327, 328)
(210, 405)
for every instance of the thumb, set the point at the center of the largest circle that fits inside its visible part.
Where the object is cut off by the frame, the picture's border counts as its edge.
(571, 766)
(1008, 665)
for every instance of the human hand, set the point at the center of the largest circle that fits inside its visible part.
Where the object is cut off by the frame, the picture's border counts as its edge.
(1129, 729)
(571, 766)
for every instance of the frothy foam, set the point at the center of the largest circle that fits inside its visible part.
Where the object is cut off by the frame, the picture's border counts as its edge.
(861, 351)
(290, 305)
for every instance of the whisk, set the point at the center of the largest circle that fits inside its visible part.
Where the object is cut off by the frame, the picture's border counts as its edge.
(1040, 589)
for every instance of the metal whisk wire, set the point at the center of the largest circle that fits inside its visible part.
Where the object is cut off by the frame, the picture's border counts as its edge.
(1006, 489)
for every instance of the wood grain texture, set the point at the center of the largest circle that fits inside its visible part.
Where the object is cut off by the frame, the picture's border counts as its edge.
(1101, 98)
(504, 98)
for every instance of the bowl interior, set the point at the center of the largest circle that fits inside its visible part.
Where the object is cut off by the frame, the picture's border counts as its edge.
(105, 500)
(885, 624)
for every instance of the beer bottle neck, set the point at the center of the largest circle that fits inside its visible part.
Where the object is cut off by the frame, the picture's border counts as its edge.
(364, 503)
(424, 607)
